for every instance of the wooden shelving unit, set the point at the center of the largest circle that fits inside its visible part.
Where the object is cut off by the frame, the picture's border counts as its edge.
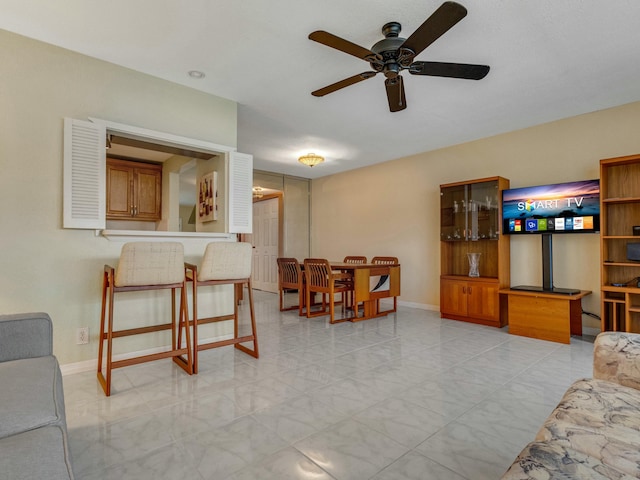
(619, 212)
(470, 222)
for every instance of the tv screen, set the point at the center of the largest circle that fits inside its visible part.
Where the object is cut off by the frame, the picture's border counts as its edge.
(572, 207)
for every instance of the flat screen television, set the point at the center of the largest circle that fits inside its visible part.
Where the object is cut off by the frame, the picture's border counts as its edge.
(560, 208)
(572, 207)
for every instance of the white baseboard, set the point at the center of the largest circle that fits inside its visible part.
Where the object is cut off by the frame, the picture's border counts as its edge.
(92, 365)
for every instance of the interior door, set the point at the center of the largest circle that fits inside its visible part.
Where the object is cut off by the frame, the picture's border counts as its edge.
(265, 243)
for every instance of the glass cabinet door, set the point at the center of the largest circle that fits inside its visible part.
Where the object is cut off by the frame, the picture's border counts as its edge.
(453, 213)
(469, 212)
(483, 211)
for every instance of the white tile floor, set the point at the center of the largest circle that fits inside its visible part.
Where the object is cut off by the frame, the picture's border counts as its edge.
(405, 397)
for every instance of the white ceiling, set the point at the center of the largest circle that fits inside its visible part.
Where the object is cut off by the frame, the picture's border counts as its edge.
(549, 59)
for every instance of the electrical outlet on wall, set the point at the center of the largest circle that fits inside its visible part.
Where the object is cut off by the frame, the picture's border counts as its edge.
(82, 336)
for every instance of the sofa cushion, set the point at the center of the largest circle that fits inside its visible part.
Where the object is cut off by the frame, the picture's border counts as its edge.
(551, 460)
(600, 419)
(31, 396)
(616, 358)
(25, 335)
(41, 453)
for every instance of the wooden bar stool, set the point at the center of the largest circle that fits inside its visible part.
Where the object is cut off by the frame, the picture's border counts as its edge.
(145, 266)
(224, 263)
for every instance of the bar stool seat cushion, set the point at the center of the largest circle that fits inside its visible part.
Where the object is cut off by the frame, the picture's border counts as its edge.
(150, 263)
(226, 261)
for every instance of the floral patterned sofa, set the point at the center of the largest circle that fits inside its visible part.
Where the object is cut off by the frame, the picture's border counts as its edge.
(594, 432)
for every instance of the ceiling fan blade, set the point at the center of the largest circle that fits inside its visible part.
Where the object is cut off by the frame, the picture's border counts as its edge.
(395, 93)
(453, 70)
(343, 45)
(343, 83)
(445, 17)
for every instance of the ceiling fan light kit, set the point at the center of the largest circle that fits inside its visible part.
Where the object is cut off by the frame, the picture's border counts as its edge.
(311, 159)
(393, 54)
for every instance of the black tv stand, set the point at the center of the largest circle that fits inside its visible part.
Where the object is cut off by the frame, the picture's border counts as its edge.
(547, 272)
(558, 291)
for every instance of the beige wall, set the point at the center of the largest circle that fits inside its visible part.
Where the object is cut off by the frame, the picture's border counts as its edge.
(296, 218)
(171, 210)
(185, 215)
(395, 208)
(42, 266)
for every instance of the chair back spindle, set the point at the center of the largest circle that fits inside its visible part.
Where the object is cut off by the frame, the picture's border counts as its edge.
(385, 260)
(317, 272)
(355, 259)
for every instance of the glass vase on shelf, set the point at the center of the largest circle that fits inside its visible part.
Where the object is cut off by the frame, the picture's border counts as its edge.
(474, 264)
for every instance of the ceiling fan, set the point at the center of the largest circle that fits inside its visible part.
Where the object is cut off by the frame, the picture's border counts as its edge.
(394, 54)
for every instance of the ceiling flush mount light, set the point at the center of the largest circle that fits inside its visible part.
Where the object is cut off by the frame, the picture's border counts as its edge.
(311, 159)
(196, 74)
(258, 192)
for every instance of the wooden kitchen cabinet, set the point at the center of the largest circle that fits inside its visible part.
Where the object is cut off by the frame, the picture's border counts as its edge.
(134, 190)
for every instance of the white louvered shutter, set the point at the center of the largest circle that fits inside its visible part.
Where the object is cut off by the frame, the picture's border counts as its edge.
(240, 194)
(84, 175)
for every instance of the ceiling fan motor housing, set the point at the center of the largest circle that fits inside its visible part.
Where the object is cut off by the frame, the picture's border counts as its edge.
(394, 58)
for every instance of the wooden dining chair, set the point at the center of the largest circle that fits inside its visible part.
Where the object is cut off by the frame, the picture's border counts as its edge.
(354, 260)
(290, 277)
(224, 263)
(386, 261)
(144, 266)
(321, 279)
